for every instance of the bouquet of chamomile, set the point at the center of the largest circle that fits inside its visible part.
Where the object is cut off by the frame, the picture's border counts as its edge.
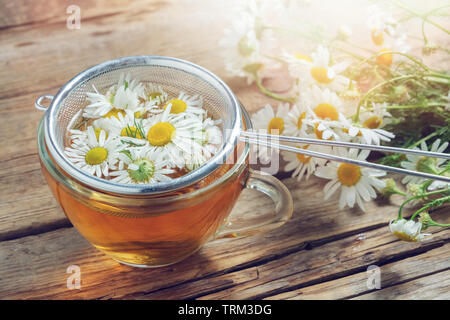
(337, 89)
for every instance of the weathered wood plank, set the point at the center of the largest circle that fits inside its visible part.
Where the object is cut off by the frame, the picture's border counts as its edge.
(428, 263)
(276, 260)
(433, 287)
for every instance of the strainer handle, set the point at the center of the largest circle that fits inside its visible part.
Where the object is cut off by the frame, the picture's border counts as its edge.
(279, 194)
(38, 103)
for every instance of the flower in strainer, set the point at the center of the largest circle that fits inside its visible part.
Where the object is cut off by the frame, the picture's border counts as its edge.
(143, 166)
(126, 94)
(319, 72)
(126, 126)
(356, 183)
(187, 105)
(303, 164)
(94, 155)
(155, 94)
(424, 163)
(173, 134)
(408, 230)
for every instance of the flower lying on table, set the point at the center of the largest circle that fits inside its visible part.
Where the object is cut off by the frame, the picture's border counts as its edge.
(348, 92)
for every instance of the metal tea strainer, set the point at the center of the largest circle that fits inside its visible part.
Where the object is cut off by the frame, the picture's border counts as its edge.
(176, 75)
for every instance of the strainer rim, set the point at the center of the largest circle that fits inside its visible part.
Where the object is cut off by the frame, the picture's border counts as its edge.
(134, 189)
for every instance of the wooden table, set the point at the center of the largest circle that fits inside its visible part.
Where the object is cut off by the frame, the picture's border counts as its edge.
(321, 253)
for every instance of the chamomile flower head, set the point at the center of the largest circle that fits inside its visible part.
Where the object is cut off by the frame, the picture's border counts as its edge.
(424, 163)
(143, 166)
(380, 22)
(407, 230)
(124, 126)
(241, 47)
(155, 95)
(296, 122)
(173, 134)
(319, 72)
(186, 105)
(304, 165)
(123, 96)
(377, 118)
(268, 121)
(356, 183)
(361, 134)
(94, 155)
(385, 56)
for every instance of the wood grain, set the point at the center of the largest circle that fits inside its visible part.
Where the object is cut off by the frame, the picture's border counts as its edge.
(321, 253)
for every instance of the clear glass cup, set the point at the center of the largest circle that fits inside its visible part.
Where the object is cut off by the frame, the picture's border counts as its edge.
(162, 229)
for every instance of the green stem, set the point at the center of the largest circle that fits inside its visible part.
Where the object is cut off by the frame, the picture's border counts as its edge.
(413, 106)
(272, 94)
(375, 88)
(429, 205)
(417, 197)
(424, 17)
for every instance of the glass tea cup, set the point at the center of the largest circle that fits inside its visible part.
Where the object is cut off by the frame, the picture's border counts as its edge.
(164, 228)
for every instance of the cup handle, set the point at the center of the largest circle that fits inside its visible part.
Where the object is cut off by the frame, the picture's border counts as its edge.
(279, 194)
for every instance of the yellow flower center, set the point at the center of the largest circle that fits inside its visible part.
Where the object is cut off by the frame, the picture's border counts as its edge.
(373, 122)
(161, 134)
(317, 131)
(302, 57)
(301, 157)
(405, 237)
(97, 133)
(359, 134)
(377, 37)
(154, 95)
(300, 120)
(384, 59)
(276, 124)
(96, 156)
(137, 114)
(326, 111)
(320, 74)
(178, 106)
(349, 174)
(132, 132)
(114, 113)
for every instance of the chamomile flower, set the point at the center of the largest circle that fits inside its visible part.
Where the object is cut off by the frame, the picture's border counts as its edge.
(326, 117)
(126, 95)
(296, 120)
(94, 155)
(173, 134)
(268, 121)
(187, 105)
(124, 126)
(319, 72)
(155, 95)
(241, 48)
(356, 183)
(143, 166)
(304, 165)
(424, 163)
(357, 133)
(380, 22)
(408, 230)
(398, 44)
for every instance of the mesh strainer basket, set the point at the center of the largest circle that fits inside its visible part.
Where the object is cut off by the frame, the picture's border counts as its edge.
(174, 75)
